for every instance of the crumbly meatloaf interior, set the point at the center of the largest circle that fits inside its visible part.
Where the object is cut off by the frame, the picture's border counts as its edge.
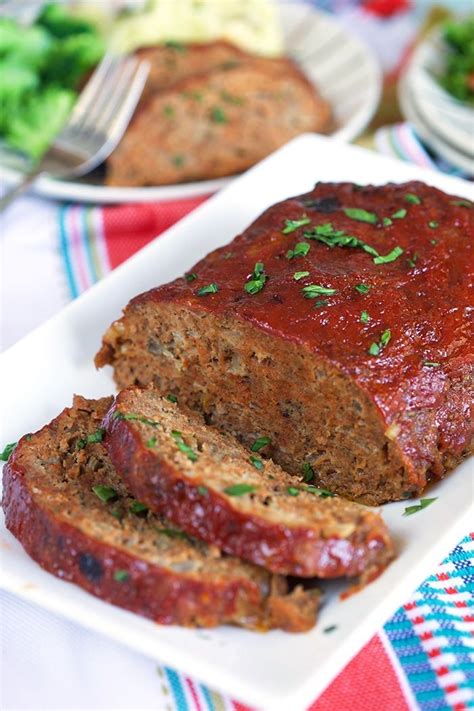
(181, 447)
(235, 376)
(63, 463)
(217, 124)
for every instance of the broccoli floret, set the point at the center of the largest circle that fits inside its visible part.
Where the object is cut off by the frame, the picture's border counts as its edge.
(71, 58)
(28, 46)
(38, 120)
(61, 23)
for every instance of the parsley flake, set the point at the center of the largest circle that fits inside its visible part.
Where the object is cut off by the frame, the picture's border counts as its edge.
(308, 471)
(183, 447)
(387, 222)
(172, 398)
(218, 115)
(356, 213)
(320, 303)
(418, 507)
(209, 289)
(390, 257)
(150, 443)
(105, 493)
(385, 338)
(399, 214)
(412, 199)
(292, 225)
(173, 533)
(134, 418)
(5, 455)
(364, 317)
(91, 439)
(190, 276)
(362, 288)
(136, 507)
(256, 462)
(314, 290)
(433, 224)
(293, 491)
(329, 629)
(203, 490)
(239, 489)
(300, 275)
(121, 576)
(462, 203)
(301, 249)
(324, 493)
(260, 443)
(256, 280)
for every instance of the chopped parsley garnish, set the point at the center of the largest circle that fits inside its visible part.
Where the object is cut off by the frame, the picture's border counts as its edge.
(399, 214)
(169, 111)
(324, 493)
(134, 418)
(209, 289)
(150, 443)
(172, 398)
(91, 439)
(385, 337)
(5, 455)
(418, 507)
(320, 303)
(218, 115)
(434, 241)
(329, 629)
(462, 203)
(364, 317)
(431, 364)
(314, 290)
(300, 275)
(203, 490)
(387, 222)
(308, 471)
(177, 160)
(362, 288)
(412, 260)
(136, 507)
(257, 279)
(356, 213)
(256, 462)
(191, 276)
(183, 447)
(413, 199)
(293, 491)
(105, 493)
(121, 576)
(260, 443)
(292, 225)
(174, 44)
(173, 533)
(239, 489)
(390, 257)
(433, 224)
(301, 249)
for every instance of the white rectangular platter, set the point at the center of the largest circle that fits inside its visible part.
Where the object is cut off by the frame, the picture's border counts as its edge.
(39, 375)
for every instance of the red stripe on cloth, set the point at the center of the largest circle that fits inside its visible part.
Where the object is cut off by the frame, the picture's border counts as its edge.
(128, 228)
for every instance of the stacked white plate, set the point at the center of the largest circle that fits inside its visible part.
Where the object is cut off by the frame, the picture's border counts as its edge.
(445, 124)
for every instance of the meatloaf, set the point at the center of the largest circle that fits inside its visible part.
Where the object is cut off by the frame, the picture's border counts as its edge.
(337, 325)
(213, 488)
(217, 123)
(71, 512)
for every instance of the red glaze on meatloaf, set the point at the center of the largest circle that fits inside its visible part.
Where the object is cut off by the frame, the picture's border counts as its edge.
(353, 351)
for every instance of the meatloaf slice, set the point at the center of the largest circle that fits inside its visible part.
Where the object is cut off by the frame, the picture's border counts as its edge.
(213, 488)
(217, 124)
(71, 512)
(355, 364)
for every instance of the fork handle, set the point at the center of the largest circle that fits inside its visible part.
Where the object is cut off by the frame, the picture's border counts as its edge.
(20, 188)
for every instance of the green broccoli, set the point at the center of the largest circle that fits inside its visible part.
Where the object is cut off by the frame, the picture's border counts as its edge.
(38, 120)
(57, 20)
(28, 46)
(458, 75)
(70, 59)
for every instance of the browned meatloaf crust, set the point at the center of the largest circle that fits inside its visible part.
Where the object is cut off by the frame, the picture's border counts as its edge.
(217, 124)
(172, 62)
(369, 382)
(69, 509)
(215, 489)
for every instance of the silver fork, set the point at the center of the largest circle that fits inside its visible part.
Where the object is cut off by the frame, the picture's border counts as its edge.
(96, 124)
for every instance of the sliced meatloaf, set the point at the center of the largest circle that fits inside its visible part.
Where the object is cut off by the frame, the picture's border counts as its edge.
(338, 325)
(65, 503)
(213, 488)
(217, 124)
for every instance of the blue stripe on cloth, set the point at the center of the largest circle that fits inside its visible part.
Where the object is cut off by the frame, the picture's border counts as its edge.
(177, 688)
(64, 249)
(86, 239)
(207, 696)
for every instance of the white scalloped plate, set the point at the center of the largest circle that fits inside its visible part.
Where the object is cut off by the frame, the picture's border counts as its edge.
(340, 65)
(39, 375)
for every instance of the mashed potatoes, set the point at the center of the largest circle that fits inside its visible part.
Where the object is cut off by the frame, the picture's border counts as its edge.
(250, 24)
